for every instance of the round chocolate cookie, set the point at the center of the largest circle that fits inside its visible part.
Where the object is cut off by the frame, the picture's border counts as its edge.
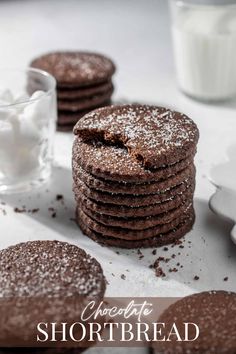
(49, 268)
(137, 223)
(84, 103)
(76, 68)
(71, 118)
(41, 280)
(124, 211)
(157, 241)
(115, 163)
(135, 200)
(66, 118)
(83, 92)
(161, 186)
(153, 136)
(133, 235)
(214, 313)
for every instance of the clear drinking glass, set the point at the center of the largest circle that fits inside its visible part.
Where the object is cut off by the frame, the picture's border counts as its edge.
(204, 40)
(27, 127)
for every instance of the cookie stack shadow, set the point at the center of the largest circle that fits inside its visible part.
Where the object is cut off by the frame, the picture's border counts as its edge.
(84, 82)
(121, 200)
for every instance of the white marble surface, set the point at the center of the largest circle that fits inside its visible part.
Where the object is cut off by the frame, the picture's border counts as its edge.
(136, 34)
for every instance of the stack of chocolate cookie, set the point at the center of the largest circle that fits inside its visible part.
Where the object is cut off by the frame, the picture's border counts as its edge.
(134, 175)
(84, 82)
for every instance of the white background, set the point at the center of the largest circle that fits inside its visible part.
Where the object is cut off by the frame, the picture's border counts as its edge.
(137, 35)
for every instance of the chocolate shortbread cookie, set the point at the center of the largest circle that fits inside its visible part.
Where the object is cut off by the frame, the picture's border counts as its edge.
(134, 200)
(157, 241)
(76, 69)
(39, 268)
(137, 223)
(71, 118)
(44, 278)
(130, 234)
(124, 211)
(84, 103)
(83, 92)
(66, 118)
(153, 136)
(214, 313)
(115, 163)
(161, 186)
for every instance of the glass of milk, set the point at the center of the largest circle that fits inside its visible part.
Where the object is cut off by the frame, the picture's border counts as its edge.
(204, 39)
(27, 127)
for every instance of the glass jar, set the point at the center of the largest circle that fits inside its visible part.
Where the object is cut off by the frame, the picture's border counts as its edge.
(204, 40)
(27, 127)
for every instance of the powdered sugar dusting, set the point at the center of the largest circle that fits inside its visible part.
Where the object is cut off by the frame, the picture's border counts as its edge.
(50, 268)
(76, 67)
(214, 313)
(148, 132)
(114, 162)
(111, 157)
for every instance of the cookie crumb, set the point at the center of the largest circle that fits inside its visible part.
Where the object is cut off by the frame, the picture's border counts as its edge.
(160, 273)
(177, 242)
(59, 197)
(173, 270)
(53, 212)
(33, 211)
(140, 254)
(19, 210)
